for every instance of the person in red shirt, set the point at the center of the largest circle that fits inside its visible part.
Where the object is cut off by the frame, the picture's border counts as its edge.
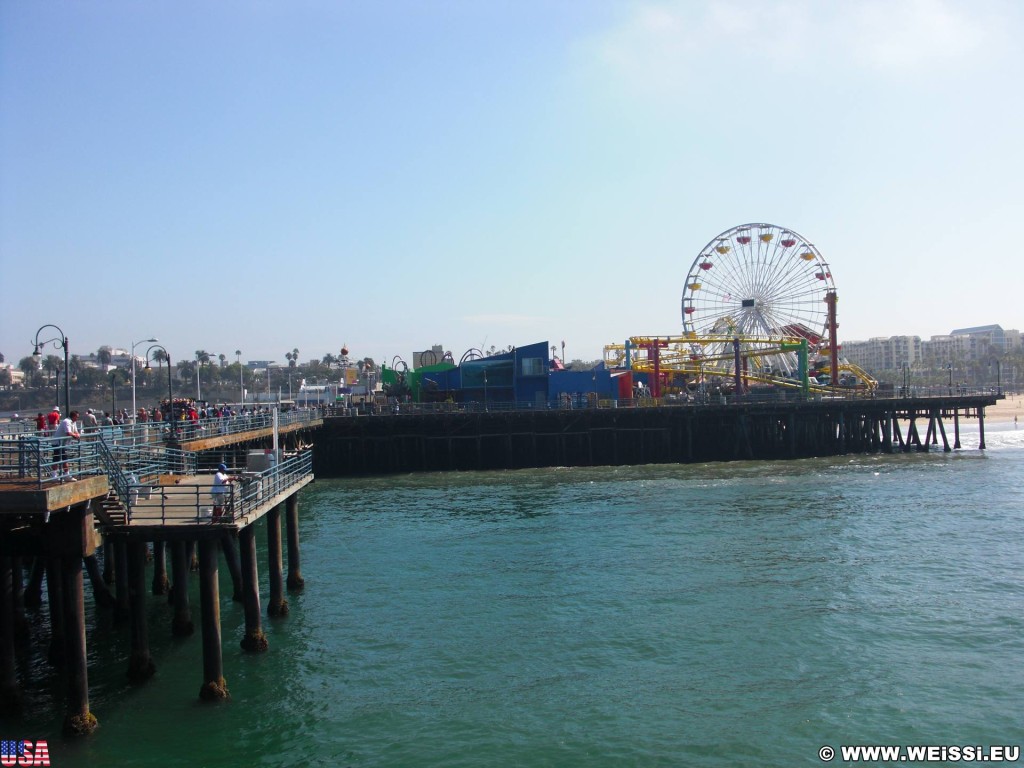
(52, 420)
(40, 423)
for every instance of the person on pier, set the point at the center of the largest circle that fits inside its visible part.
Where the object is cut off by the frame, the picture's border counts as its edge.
(222, 483)
(66, 430)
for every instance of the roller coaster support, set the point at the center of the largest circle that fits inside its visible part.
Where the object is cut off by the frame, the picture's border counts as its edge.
(736, 365)
(801, 349)
(833, 341)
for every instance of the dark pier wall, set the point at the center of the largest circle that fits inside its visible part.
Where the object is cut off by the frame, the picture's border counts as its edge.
(592, 437)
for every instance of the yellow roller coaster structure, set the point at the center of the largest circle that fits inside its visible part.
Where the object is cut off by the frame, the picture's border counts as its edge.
(787, 362)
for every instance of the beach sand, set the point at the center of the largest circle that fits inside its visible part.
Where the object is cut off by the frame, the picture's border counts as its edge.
(1005, 411)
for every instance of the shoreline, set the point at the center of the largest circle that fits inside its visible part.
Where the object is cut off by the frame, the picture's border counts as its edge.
(1004, 411)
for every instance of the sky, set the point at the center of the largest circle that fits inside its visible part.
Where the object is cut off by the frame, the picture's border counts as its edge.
(308, 174)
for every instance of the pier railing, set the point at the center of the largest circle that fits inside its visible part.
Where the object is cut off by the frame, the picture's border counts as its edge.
(169, 432)
(34, 460)
(696, 398)
(197, 503)
(37, 460)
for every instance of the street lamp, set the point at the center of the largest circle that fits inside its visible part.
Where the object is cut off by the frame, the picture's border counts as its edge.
(113, 391)
(60, 342)
(906, 392)
(170, 391)
(134, 345)
(949, 367)
(241, 383)
(199, 395)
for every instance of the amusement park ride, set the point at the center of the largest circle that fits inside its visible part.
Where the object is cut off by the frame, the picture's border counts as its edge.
(758, 309)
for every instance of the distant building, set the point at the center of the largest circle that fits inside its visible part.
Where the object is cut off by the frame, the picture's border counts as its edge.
(991, 337)
(884, 354)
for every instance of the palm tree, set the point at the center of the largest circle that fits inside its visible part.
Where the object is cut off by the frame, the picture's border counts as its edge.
(160, 356)
(294, 358)
(52, 364)
(104, 355)
(186, 369)
(329, 360)
(222, 357)
(288, 357)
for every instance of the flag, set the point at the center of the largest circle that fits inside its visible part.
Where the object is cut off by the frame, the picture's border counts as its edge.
(12, 748)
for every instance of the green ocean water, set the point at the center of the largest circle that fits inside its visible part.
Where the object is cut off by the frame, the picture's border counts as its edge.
(715, 614)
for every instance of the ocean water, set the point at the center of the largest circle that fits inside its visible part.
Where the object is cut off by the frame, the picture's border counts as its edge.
(715, 614)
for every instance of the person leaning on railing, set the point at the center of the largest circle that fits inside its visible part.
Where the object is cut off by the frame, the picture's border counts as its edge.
(222, 483)
(66, 430)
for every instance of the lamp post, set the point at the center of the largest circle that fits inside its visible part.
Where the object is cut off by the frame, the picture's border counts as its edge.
(60, 342)
(170, 391)
(906, 393)
(113, 391)
(135, 344)
(949, 367)
(199, 395)
(485, 389)
(241, 383)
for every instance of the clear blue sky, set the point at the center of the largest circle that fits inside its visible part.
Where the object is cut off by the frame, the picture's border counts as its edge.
(391, 175)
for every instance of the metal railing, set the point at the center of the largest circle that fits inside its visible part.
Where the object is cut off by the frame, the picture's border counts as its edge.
(191, 503)
(589, 401)
(163, 432)
(30, 459)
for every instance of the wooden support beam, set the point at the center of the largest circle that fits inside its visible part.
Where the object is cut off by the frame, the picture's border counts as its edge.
(140, 661)
(214, 686)
(101, 593)
(160, 583)
(78, 720)
(295, 580)
(278, 604)
(227, 545)
(254, 641)
(181, 624)
(123, 606)
(55, 598)
(10, 693)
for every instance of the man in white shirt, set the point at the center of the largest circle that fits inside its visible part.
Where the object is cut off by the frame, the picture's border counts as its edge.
(221, 490)
(66, 430)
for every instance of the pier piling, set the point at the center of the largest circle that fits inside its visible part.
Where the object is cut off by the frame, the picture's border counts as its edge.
(295, 580)
(214, 686)
(74, 528)
(55, 598)
(181, 624)
(278, 604)
(227, 545)
(254, 640)
(10, 694)
(159, 568)
(140, 662)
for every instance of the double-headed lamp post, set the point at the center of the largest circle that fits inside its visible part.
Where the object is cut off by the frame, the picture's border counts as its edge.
(60, 342)
(134, 345)
(170, 391)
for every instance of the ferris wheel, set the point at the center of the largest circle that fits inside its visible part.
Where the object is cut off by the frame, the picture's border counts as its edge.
(757, 281)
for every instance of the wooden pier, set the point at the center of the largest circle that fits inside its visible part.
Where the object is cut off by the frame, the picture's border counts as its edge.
(51, 530)
(687, 433)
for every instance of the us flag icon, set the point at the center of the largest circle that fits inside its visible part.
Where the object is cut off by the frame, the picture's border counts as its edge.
(22, 753)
